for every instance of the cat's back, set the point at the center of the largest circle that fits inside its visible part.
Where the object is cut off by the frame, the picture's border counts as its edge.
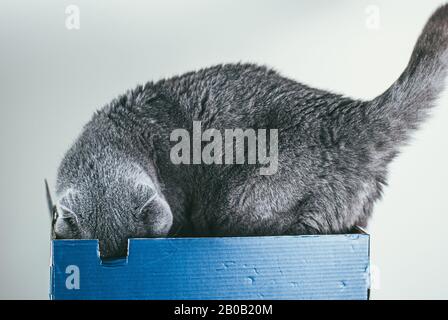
(236, 95)
(222, 76)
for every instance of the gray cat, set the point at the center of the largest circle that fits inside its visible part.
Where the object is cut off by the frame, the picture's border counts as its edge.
(117, 181)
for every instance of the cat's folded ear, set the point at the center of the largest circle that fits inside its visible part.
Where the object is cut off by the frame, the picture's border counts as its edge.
(156, 215)
(65, 221)
(67, 201)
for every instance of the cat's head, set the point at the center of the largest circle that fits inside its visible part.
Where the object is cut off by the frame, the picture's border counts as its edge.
(111, 201)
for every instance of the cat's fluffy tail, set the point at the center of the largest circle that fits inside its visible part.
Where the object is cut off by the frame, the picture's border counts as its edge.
(406, 102)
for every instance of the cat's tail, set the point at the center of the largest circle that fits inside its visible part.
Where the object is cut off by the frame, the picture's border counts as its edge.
(406, 102)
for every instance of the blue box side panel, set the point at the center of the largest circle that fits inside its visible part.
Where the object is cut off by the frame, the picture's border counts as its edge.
(287, 267)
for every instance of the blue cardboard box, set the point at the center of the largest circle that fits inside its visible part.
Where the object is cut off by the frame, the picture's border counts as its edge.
(281, 267)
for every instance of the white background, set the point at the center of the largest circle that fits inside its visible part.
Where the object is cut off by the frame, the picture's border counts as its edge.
(52, 79)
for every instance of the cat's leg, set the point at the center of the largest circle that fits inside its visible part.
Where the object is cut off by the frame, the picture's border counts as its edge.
(265, 210)
(234, 222)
